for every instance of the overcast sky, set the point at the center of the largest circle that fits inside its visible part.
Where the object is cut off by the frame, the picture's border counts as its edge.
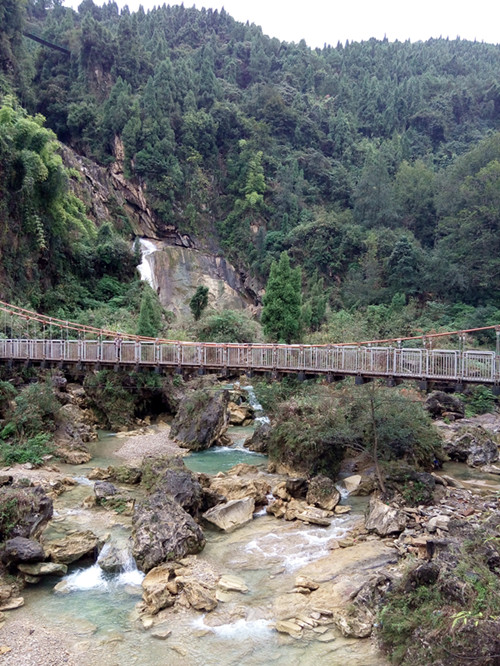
(330, 21)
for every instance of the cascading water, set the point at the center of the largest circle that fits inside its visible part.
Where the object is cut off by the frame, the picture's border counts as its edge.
(260, 417)
(145, 269)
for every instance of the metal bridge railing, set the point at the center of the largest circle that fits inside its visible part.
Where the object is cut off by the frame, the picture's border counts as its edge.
(474, 366)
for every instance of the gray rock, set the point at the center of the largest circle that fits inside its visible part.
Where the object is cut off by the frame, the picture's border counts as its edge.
(112, 560)
(384, 519)
(201, 420)
(473, 446)
(322, 493)
(73, 547)
(21, 549)
(44, 569)
(25, 511)
(103, 489)
(232, 514)
(439, 403)
(163, 531)
(258, 442)
(171, 476)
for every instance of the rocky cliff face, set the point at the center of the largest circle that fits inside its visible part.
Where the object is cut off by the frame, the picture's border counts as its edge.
(181, 262)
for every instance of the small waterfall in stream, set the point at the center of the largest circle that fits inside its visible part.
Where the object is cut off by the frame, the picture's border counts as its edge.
(94, 578)
(260, 417)
(145, 269)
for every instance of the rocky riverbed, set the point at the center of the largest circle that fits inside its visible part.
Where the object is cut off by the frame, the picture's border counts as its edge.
(242, 566)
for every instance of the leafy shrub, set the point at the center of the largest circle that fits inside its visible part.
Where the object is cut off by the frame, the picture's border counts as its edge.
(228, 326)
(271, 394)
(7, 393)
(111, 396)
(30, 451)
(36, 407)
(479, 400)
(310, 437)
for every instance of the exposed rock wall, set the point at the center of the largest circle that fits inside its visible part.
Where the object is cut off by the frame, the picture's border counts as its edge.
(182, 262)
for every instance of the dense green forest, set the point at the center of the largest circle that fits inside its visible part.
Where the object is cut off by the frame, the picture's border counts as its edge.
(374, 165)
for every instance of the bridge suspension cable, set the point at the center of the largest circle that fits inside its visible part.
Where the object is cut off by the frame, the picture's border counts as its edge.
(66, 326)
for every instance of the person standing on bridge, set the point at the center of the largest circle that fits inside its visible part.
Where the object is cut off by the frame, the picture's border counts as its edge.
(118, 346)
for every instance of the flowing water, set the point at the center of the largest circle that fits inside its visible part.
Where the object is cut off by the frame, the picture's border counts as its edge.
(97, 609)
(145, 269)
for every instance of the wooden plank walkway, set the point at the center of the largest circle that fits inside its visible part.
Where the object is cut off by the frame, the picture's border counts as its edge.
(334, 361)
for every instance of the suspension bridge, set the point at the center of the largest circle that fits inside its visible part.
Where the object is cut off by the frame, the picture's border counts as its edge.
(33, 338)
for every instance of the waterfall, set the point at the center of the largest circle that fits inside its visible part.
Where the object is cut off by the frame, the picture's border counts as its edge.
(145, 269)
(260, 417)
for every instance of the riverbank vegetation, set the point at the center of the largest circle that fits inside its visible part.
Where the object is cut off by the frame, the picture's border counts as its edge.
(373, 165)
(316, 424)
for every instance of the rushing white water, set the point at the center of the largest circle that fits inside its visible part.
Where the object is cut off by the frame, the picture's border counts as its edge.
(239, 629)
(260, 417)
(94, 578)
(145, 269)
(83, 481)
(298, 548)
(87, 579)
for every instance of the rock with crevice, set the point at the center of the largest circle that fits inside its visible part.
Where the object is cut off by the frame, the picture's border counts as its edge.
(201, 420)
(384, 519)
(73, 547)
(231, 515)
(163, 531)
(322, 493)
(169, 475)
(473, 445)
(20, 549)
(24, 511)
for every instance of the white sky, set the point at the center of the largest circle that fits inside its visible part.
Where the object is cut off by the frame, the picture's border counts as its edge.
(330, 21)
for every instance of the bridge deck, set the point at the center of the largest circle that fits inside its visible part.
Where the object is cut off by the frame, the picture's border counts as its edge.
(391, 362)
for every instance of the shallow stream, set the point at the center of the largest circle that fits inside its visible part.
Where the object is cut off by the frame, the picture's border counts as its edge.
(97, 610)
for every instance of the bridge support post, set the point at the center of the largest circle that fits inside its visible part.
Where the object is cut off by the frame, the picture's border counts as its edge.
(422, 385)
(249, 373)
(390, 382)
(201, 371)
(459, 387)
(43, 364)
(359, 380)
(329, 378)
(178, 370)
(301, 376)
(495, 389)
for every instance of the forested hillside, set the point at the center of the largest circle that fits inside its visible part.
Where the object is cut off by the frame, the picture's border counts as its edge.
(375, 165)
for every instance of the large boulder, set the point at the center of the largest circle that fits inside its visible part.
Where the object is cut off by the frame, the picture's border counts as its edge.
(163, 531)
(43, 569)
(170, 475)
(20, 549)
(74, 427)
(234, 487)
(439, 403)
(259, 440)
(240, 414)
(384, 519)
(73, 547)
(233, 514)
(159, 589)
(473, 445)
(202, 419)
(24, 511)
(322, 493)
